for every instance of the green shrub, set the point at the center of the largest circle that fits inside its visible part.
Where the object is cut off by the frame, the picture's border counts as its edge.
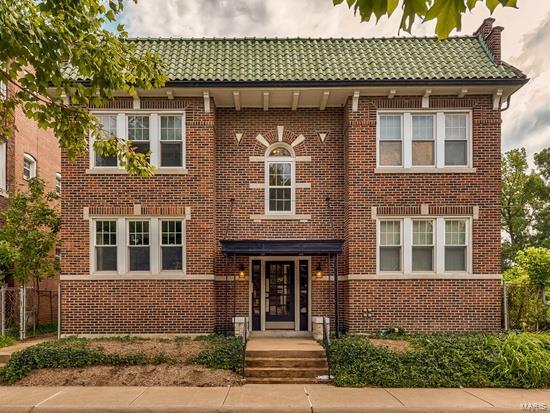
(62, 353)
(523, 360)
(223, 353)
(6, 341)
(444, 360)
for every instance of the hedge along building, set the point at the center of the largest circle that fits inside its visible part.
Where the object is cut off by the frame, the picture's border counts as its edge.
(285, 165)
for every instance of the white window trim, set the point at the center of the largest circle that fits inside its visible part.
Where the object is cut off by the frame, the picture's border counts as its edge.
(58, 179)
(402, 115)
(183, 255)
(439, 152)
(433, 245)
(439, 246)
(151, 245)
(32, 160)
(3, 90)
(280, 159)
(378, 245)
(122, 244)
(154, 140)
(93, 255)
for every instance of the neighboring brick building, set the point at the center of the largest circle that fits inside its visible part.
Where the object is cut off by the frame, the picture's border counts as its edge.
(30, 152)
(282, 162)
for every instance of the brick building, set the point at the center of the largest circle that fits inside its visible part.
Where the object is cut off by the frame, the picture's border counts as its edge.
(30, 152)
(352, 178)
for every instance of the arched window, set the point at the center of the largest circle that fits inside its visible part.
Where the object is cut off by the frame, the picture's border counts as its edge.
(280, 178)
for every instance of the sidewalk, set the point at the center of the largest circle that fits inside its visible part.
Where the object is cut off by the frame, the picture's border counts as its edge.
(268, 398)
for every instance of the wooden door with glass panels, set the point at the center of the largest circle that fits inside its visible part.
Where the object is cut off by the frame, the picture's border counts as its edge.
(279, 294)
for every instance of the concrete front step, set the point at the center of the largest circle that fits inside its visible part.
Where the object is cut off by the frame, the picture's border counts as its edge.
(286, 353)
(283, 380)
(286, 362)
(283, 372)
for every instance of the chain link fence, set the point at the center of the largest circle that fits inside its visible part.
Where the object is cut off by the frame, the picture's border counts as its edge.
(26, 312)
(526, 307)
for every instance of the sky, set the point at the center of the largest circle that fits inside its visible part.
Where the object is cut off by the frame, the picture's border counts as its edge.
(526, 41)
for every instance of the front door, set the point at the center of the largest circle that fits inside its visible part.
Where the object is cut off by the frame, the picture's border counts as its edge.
(279, 294)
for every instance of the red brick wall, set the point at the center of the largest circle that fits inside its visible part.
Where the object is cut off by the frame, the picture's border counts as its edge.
(424, 305)
(366, 189)
(43, 146)
(195, 189)
(343, 169)
(131, 306)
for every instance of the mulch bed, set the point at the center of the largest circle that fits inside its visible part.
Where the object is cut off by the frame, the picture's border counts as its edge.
(178, 371)
(149, 375)
(399, 346)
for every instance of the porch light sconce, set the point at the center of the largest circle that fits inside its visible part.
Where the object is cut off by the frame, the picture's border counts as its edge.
(318, 272)
(241, 272)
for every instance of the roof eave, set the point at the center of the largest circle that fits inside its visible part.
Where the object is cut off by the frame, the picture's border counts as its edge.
(346, 83)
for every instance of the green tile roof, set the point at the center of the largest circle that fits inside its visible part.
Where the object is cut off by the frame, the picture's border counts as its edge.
(325, 60)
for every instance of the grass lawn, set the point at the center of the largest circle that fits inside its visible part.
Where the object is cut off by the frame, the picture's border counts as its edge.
(443, 360)
(127, 361)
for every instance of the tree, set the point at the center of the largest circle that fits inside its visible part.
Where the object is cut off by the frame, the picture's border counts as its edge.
(518, 199)
(541, 225)
(446, 13)
(40, 40)
(29, 234)
(530, 277)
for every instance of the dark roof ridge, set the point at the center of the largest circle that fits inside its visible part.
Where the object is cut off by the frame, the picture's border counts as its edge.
(461, 37)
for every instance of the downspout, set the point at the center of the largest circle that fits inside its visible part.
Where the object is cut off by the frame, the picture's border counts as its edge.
(507, 104)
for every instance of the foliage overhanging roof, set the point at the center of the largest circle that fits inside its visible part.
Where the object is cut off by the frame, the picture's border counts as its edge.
(257, 60)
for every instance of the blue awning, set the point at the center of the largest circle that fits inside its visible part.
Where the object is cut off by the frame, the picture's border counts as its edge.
(281, 247)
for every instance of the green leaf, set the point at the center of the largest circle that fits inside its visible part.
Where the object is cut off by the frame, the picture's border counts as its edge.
(448, 14)
(392, 5)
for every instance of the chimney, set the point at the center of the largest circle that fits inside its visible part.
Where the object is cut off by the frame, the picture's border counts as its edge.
(492, 38)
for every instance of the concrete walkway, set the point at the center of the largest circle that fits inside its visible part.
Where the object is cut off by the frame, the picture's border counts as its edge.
(268, 398)
(6, 352)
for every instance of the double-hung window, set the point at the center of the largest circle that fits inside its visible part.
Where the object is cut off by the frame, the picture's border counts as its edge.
(456, 242)
(423, 245)
(105, 245)
(456, 139)
(418, 245)
(280, 180)
(423, 140)
(58, 183)
(158, 135)
(138, 246)
(29, 167)
(109, 124)
(171, 141)
(390, 245)
(171, 245)
(138, 133)
(139, 252)
(390, 140)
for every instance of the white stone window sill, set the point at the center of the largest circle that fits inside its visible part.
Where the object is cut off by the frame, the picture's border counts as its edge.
(4, 194)
(121, 171)
(165, 275)
(275, 217)
(425, 170)
(432, 276)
